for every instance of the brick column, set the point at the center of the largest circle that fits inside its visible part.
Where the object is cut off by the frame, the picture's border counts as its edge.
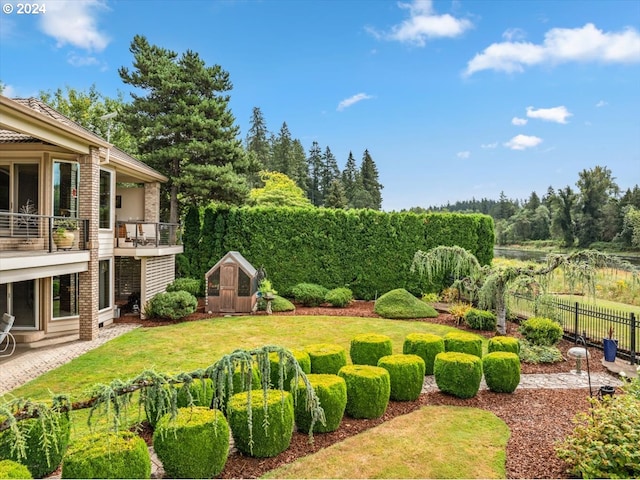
(152, 202)
(89, 207)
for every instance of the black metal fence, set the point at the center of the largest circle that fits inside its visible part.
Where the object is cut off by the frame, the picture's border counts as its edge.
(589, 321)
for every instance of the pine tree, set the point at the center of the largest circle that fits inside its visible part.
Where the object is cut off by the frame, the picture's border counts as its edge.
(185, 127)
(349, 175)
(299, 166)
(314, 161)
(336, 197)
(369, 175)
(329, 172)
(281, 151)
(257, 140)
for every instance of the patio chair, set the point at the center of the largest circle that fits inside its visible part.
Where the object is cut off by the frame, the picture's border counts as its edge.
(7, 340)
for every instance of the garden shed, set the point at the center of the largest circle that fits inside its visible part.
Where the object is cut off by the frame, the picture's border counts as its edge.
(232, 285)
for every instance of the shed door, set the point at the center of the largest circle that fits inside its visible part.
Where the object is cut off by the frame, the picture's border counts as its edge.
(228, 287)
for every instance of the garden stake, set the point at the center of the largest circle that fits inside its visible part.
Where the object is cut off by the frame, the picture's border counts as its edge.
(586, 352)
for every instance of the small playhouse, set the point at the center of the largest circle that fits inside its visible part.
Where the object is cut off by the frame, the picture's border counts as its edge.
(232, 285)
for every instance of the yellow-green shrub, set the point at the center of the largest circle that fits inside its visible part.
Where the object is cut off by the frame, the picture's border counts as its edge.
(406, 375)
(501, 371)
(458, 374)
(463, 342)
(11, 469)
(426, 346)
(368, 390)
(332, 393)
(368, 348)
(501, 343)
(326, 357)
(301, 357)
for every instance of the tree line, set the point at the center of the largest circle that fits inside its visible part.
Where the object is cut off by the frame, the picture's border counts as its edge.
(597, 211)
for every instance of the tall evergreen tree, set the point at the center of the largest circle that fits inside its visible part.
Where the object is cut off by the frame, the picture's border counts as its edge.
(336, 197)
(257, 140)
(281, 151)
(185, 127)
(369, 175)
(563, 215)
(349, 176)
(330, 171)
(299, 166)
(314, 161)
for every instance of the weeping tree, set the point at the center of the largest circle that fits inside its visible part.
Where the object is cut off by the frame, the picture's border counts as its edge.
(488, 286)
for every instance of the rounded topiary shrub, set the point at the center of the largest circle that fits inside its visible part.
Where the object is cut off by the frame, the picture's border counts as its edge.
(107, 455)
(201, 391)
(191, 285)
(193, 445)
(38, 461)
(480, 319)
(11, 469)
(266, 437)
(326, 357)
(541, 331)
(278, 304)
(339, 297)
(458, 374)
(406, 375)
(368, 348)
(309, 294)
(399, 303)
(501, 371)
(332, 394)
(301, 357)
(501, 343)
(463, 342)
(368, 390)
(171, 305)
(426, 346)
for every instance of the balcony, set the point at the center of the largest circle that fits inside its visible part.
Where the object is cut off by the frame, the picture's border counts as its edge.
(147, 239)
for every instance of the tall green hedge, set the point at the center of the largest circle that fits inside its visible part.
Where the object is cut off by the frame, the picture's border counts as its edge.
(368, 251)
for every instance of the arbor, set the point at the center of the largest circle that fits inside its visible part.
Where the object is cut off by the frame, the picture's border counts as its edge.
(278, 191)
(184, 126)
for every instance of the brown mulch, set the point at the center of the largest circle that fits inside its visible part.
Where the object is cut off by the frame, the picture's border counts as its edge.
(537, 419)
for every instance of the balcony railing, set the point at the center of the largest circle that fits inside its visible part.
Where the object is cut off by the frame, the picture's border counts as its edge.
(147, 234)
(42, 233)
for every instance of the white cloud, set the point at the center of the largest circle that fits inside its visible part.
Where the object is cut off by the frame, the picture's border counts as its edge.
(513, 34)
(519, 121)
(560, 45)
(464, 155)
(489, 145)
(347, 102)
(81, 60)
(522, 142)
(555, 114)
(423, 24)
(75, 23)
(601, 103)
(9, 91)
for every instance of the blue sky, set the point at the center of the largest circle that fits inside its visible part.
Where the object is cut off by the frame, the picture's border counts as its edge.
(453, 100)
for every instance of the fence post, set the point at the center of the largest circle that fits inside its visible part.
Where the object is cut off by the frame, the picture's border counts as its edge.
(632, 347)
(575, 325)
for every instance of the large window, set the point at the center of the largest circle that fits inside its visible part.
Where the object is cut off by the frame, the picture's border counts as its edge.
(66, 178)
(105, 199)
(65, 295)
(104, 284)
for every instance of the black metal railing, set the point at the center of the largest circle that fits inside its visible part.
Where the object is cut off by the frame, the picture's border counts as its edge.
(147, 234)
(579, 319)
(42, 233)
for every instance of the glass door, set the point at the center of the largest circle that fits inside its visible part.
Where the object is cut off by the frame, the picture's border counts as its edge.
(20, 299)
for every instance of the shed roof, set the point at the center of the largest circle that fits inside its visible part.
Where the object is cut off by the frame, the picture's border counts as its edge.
(235, 257)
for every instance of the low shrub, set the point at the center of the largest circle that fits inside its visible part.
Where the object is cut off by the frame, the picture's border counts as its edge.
(480, 319)
(368, 348)
(501, 371)
(201, 391)
(458, 374)
(463, 342)
(326, 357)
(332, 393)
(195, 444)
(171, 305)
(399, 303)
(459, 310)
(501, 343)
(426, 346)
(191, 285)
(539, 353)
(278, 304)
(604, 442)
(303, 359)
(309, 294)
(541, 331)
(406, 376)
(39, 461)
(11, 469)
(107, 455)
(339, 297)
(450, 295)
(430, 298)
(368, 390)
(272, 422)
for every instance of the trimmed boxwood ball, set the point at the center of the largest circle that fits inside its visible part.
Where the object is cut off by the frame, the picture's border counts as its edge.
(368, 390)
(426, 346)
(400, 303)
(193, 445)
(406, 375)
(301, 357)
(201, 393)
(501, 343)
(107, 455)
(501, 371)
(368, 348)
(11, 469)
(463, 342)
(326, 357)
(458, 374)
(332, 393)
(36, 459)
(270, 437)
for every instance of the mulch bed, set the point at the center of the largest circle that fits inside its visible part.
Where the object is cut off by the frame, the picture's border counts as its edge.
(537, 419)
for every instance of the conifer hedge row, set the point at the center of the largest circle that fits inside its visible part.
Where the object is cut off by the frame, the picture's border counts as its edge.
(368, 251)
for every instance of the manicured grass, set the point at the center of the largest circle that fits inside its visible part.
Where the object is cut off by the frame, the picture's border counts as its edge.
(433, 442)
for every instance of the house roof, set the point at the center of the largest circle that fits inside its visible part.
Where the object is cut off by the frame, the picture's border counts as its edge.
(235, 257)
